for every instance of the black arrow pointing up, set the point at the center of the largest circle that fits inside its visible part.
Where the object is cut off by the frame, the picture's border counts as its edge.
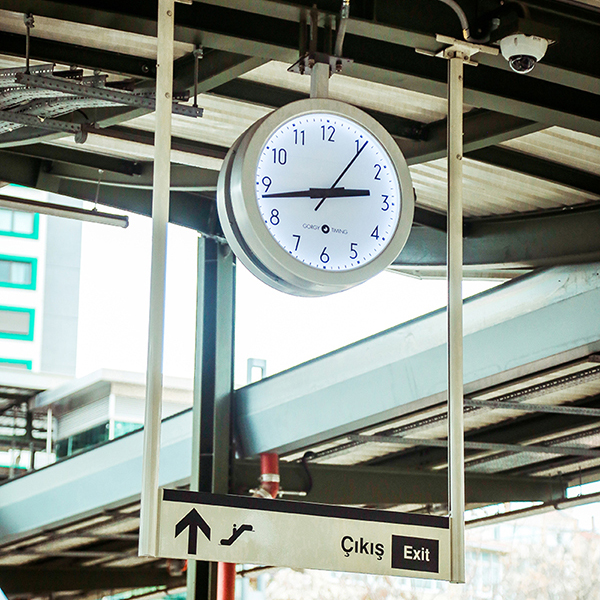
(194, 521)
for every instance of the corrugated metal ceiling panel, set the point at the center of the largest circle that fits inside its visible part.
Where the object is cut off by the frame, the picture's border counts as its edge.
(385, 98)
(223, 121)
(490, 190)
(578, 150)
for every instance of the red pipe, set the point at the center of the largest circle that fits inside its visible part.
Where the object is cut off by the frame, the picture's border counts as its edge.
(269, 473)
(226, 581)
(269, 484)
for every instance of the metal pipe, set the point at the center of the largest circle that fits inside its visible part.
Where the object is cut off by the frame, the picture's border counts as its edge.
(319, 80)
(60, 210)
(160, 217)
(456, 482)
(269, 473)
(342, 25)
(226, 581)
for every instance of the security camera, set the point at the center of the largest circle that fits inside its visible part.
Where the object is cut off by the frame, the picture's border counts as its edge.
(523, 51)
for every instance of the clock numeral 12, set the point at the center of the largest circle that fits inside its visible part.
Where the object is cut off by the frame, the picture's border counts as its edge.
(328, 132)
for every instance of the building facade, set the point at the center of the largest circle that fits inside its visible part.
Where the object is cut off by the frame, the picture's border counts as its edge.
(39, 288)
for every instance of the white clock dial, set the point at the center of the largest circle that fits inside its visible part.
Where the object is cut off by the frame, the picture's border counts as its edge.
(315, 198)
(327, 191)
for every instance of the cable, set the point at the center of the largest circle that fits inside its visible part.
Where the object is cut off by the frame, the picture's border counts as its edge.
(464, 23)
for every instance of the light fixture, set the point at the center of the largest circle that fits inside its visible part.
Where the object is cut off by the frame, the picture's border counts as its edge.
(60, 210)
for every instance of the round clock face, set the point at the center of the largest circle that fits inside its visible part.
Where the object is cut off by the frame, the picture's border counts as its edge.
(327, 191)
(315, 198)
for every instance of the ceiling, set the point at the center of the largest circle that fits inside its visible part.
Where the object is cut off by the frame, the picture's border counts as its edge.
(532, 199)
(532, 149)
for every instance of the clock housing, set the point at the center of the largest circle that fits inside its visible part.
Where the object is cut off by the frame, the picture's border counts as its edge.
(315, 198)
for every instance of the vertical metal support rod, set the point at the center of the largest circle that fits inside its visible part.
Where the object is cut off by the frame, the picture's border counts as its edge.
(160, 216)
(456, 483)
(198, 53)
(13, 447)
(49, 423)
(28, 24)
(319, 81)
(213, 386)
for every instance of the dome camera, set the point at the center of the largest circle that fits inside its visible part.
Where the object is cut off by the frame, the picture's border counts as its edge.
(523, 51)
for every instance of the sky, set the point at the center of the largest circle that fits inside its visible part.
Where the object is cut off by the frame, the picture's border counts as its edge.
(284, 330)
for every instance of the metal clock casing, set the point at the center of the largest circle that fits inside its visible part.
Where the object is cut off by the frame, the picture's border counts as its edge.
(315, 198)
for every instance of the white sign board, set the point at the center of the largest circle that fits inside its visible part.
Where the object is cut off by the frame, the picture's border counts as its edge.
(239, 529)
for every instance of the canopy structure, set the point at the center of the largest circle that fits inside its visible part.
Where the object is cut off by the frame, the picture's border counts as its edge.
(76, 118)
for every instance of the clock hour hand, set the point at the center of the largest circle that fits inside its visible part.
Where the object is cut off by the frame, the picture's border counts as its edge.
(333, 192)
(342, 174)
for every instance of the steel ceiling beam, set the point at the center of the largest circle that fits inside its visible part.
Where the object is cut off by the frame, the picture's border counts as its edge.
(519, 431)
(371, 485)
(129, 65)
(139, 136)
(39, 579)
(529, 407)
(471, 445)
(481, 129)
(543, 239)
(215, 68)
(79, 158)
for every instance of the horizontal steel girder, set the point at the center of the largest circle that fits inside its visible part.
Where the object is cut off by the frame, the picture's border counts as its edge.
(531, 323)
(39, 580)
(80, 158)
(356, 484)
(568, 236)
(13, 44)
(469, 445)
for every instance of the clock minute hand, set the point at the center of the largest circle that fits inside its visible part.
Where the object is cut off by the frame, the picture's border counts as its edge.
(343, 173)
(332, 192)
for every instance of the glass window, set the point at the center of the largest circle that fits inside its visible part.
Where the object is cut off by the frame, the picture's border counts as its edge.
(81, 441)
(5, 219)
(18, 223)
(123, 427)
(15, 363)
(16, 323)
(18, 272)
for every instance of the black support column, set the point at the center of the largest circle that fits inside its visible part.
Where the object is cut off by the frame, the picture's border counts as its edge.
(213, 386)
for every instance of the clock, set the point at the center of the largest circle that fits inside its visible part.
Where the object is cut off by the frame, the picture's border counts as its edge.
(315, 198)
